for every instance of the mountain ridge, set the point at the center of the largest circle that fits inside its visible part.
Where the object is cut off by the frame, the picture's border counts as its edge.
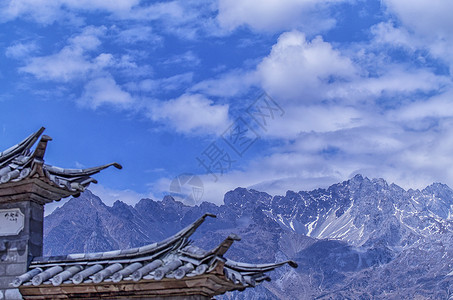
(344, 237)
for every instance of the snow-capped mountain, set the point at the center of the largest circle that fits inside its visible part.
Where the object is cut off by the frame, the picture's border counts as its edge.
(362, 211)
(359, 239)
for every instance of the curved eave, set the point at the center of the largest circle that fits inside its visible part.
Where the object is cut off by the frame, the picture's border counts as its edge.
(78, 173)
(244, 267)
(160, 248)
(9, 154)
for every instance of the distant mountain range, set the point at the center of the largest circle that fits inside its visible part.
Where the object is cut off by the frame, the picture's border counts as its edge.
(358, 239)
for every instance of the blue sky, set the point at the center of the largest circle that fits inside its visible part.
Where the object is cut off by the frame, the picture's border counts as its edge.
(173, 87)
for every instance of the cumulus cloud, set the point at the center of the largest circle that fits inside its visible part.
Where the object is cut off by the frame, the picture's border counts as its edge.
(191, 113)
(105, 90)
(301, 70)
(322, 89)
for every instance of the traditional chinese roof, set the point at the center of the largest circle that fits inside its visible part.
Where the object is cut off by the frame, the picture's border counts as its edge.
(19, 164)
(173, 267)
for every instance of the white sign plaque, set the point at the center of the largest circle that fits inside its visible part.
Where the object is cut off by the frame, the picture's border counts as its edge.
(11, 221)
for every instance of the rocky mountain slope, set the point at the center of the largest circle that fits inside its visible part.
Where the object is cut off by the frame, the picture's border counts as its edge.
(359, 239)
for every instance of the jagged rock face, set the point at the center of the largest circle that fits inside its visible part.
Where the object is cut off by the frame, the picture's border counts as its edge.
(359, 239)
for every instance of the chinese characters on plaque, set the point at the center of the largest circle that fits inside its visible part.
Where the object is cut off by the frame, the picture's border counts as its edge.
(11, 221)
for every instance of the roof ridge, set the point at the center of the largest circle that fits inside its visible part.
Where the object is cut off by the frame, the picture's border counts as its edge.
(170, 243)
(15, 150)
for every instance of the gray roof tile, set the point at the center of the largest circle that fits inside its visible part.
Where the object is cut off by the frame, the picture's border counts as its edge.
(19, 162)
(173, 258)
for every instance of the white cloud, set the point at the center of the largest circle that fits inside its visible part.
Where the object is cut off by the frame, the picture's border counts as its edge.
(389, 36)
(301, 70)
(387, 33)
(88, 39)
(433, 109)
(21, 50)
(81, 59)
(65, 65)
(301, 75)
(191, 113)
(394, 81)
(105, 90)
(384, 147)
(428, 25)
(431, 18)
(41, 11)
(389, 152)
(274, 15)
(72, 60)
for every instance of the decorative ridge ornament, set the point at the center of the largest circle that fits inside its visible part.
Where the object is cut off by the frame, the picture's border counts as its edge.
(19, 163)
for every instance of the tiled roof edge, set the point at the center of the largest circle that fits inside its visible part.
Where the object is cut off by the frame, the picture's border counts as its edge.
(19, 148)
(168, 244)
